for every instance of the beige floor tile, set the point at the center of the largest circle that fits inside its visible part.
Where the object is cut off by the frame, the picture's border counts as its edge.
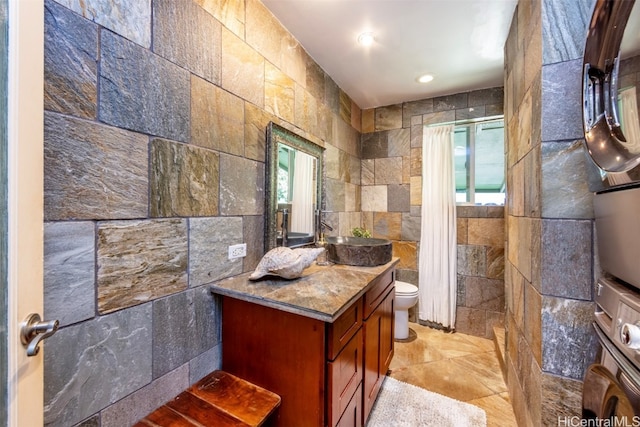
(444, 377)
(485, 368)
(498, 409)
(460, 366)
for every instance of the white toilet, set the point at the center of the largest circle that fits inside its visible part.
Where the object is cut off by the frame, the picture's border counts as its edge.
(406, 297)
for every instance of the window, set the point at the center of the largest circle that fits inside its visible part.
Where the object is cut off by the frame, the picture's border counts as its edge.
(479, 163)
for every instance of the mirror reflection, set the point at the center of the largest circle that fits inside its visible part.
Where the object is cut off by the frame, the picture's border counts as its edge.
(610, 106)
(628, 83)
(294, 166)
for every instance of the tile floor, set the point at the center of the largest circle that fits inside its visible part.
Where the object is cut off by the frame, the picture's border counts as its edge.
(460, 366)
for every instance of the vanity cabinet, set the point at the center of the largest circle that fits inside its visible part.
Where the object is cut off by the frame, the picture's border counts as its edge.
(328, 373)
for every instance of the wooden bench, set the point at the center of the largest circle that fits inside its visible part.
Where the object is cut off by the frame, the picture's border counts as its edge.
(219, 399)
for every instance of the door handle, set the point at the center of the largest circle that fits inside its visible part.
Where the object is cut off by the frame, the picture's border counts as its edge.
(33, 330)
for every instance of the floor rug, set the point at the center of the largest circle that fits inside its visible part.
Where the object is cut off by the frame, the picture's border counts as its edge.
(404, 405)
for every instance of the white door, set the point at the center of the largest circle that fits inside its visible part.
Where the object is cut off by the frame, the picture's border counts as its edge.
(25, 205)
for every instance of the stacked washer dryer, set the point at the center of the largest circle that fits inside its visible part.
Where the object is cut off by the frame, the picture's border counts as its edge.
(612, 137)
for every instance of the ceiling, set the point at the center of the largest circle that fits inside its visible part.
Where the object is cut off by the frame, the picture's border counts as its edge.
(459, 42)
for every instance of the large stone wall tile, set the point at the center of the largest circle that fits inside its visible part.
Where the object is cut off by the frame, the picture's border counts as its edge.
(451, 102)
(567, 256)
(207, 362)
(314, 81)
(142, 91)
(367, 172)
(374, 198)
(209, 241)
(415, 108)
(279, 93)
(562, 101)
(477, 112)
(471, 321)
(306, 110)
(332, 99)
(351, 197)
(256, 121)
(411, 227)
(388, 170)
(415, 168)
(533, 328)
(345, 106)
(335, 195)
(564, 187)
(561, 397)
(229, 13)
(140, 260)
(408, 253)
(374, 145)
(241, 186)
(355, 170)
(265, 33)
(438, 117)
(495, 263)
(342, 135)
(389, 117)
(69, 271)
(368, 121)
(217, 118)
(472, 260)
(398, 198)
(564, 25)
(486, 231)
(184, 180)
(566, 324)
(332, 165)
(70, 62)
(188, 36)
(184, 326)
(415, 190)
(484, 294)
(253, 232)
(242, 69)
(494, 95)
(92, 171)
(93, 364)
(131, 20)
(399, 142)
(387, 225)
(137, 405)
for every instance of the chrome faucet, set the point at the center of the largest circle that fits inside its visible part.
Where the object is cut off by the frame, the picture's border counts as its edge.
(285, 227)
(324, 225)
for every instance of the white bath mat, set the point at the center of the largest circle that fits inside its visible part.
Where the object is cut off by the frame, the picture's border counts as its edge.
(404, 405)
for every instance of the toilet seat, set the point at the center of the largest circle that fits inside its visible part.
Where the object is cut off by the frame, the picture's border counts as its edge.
(406, 289)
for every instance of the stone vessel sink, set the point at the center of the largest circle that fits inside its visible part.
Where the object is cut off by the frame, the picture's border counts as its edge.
(358, 251)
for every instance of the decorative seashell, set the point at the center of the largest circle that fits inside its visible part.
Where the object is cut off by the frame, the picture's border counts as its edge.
(285, 262)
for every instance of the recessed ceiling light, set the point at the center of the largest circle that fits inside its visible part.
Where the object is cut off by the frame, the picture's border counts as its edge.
(366, 39)
(425, 78)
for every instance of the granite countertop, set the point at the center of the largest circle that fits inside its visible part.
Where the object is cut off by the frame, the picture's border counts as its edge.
(322, 293)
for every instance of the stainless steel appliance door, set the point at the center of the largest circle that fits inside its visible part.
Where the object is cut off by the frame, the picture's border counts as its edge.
(618, 233)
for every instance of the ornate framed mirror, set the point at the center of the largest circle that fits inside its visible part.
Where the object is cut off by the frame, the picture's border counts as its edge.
(293, 188)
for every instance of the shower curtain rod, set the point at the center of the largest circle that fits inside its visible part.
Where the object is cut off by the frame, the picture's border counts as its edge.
(468, 121)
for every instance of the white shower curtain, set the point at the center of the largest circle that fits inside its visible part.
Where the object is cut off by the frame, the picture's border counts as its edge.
(302, 200)
(438, 256)
(630, 127)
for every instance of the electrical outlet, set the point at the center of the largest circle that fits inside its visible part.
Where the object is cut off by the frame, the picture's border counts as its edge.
(237, 251)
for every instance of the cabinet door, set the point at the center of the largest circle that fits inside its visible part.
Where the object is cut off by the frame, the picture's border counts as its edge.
(345, 378)
(378, 350)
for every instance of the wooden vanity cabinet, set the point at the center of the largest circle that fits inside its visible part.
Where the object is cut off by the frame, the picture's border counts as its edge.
(326, 373)
(378, 327)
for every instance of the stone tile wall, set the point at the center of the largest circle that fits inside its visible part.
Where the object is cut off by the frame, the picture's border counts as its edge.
(155, 118)
(550, 265)
(391, 185)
